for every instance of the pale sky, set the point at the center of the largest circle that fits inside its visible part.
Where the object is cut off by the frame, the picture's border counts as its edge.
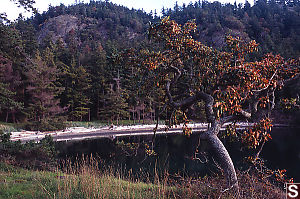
(13, 11)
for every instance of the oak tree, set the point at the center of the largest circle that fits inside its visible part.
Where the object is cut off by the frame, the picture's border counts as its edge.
(231, 87)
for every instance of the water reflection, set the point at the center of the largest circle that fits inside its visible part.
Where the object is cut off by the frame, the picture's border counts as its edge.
(175, 153)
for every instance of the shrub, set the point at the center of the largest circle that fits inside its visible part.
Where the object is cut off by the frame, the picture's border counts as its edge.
(39, 155)
(52, 124)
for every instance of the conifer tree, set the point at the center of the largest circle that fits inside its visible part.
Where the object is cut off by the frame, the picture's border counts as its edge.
(13, 59)
(76, 81)
(97, 68)
(43, 109)
(28, 35)
(114, 106)
(9, 81)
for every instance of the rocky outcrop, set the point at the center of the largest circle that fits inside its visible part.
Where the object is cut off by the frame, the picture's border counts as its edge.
(59, 27)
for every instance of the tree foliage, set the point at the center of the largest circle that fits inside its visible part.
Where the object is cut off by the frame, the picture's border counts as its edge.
(93, 43)
(43, 106)
(232, 87)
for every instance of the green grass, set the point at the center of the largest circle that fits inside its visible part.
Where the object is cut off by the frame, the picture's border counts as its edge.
(9, 127)
(101, 123)
(20, 183)
(95, 124)
(85, 180)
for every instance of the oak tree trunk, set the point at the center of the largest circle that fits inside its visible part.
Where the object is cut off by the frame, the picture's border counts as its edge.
(225, 161)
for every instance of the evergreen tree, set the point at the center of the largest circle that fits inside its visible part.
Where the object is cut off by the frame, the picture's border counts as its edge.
(8, 83)
(97, 67)
(114, 106)
(76, 81)
(28, 35)
(13, 60)
(43, 109)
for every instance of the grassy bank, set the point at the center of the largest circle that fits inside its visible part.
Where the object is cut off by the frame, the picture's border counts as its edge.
(82, 182)
(86, 180)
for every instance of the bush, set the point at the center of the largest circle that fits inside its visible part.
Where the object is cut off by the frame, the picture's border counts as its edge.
(52, 124)
(29, 155)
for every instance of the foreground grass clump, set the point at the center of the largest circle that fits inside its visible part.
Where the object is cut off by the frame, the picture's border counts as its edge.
(20, 183)
(85, 179)
(77, 181)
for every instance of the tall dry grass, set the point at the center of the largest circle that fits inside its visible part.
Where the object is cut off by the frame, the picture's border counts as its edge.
(88, 179)
(84, 179)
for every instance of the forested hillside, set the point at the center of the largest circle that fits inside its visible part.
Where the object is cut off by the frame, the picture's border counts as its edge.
(75, 62)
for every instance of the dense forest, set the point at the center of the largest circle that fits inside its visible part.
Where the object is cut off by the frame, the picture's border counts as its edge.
(78, 62)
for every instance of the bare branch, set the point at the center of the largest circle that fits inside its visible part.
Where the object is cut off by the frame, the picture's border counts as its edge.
(189, 101)
(178, 74)
(268, 84)
(245, 114)
(170, 98)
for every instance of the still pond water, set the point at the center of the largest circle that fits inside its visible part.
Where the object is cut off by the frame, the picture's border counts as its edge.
(174, 153)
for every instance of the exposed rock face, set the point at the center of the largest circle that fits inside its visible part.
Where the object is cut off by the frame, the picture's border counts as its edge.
(59, 27)
(83, 29)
